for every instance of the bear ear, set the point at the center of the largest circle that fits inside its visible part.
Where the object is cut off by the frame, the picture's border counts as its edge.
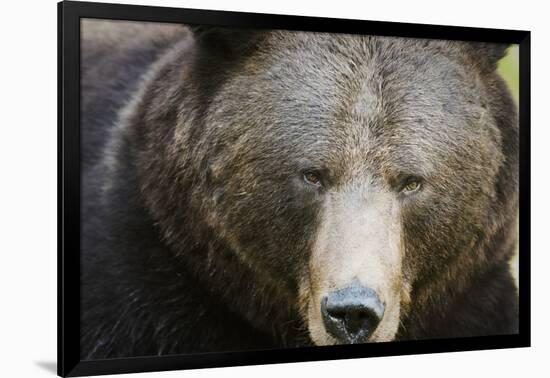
(225, 40)
(486, 55)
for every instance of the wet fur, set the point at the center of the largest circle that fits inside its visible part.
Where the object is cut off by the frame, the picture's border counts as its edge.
(183, 167)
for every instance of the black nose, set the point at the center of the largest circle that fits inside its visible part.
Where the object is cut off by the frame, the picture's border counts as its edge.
(352, 314)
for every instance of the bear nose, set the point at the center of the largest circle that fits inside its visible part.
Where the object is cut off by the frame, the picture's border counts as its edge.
(352, 314)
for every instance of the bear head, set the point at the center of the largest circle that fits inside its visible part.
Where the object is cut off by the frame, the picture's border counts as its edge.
(335, 186)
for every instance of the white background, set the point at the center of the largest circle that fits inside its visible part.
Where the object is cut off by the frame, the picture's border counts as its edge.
(28, 154)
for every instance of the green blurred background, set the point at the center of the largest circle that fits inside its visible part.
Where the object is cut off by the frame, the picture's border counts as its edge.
(508, 68)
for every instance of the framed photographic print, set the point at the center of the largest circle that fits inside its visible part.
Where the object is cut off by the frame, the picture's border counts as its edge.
(239, 188)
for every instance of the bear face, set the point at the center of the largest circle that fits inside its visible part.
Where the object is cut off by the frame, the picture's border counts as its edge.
(318, 163)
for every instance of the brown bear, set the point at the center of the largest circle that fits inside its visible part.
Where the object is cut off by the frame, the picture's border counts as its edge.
(247, 189)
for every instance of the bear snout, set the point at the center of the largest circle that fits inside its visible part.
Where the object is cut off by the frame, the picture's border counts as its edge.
(351, 314)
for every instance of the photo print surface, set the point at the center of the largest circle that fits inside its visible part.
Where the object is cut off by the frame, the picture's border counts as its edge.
(265, 189)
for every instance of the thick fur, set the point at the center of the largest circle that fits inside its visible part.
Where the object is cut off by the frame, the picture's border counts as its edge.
(195, 238)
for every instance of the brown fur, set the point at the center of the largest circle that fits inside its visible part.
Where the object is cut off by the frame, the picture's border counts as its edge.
(213, 240)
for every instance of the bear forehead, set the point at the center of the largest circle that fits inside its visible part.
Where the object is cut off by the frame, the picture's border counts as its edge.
(353, 91)
(354, 80)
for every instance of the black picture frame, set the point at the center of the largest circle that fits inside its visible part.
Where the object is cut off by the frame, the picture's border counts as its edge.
(69, 15)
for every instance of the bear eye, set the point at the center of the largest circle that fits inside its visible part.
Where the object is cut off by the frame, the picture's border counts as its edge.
(312, 178)
(412, 185)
